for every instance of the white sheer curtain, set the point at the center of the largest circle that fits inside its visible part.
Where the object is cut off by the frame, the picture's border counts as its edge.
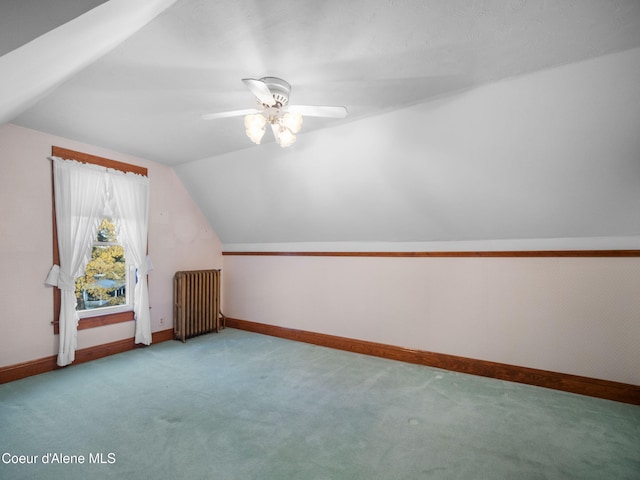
(80, 199)
(130, 204)
(82, 194)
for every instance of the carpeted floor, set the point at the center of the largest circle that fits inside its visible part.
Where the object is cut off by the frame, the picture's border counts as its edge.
(239, 405)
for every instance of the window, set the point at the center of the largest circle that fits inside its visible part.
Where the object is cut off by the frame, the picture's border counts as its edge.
(105, 286)
(104, 315)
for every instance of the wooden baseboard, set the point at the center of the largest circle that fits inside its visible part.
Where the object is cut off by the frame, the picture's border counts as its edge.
(593, 387)
(47, 364)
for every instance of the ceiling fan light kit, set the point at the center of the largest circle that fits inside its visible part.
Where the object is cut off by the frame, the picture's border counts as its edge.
(284, 125)
(272, 94)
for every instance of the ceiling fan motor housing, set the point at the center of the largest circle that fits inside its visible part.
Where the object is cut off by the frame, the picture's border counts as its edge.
(279, 88)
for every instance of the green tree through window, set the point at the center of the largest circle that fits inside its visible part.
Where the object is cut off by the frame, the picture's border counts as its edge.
(105, 281)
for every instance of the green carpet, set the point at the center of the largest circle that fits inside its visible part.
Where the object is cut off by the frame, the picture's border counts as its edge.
(239, 405)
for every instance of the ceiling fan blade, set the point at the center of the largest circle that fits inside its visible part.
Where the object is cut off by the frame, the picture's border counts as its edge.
(260, 90)
(233, 113)
(319, 110)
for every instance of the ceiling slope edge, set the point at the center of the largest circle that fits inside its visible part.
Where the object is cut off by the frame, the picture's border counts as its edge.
(39, 66)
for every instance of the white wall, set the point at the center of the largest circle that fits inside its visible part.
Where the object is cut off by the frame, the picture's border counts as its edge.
(180, 238)
(572, 315)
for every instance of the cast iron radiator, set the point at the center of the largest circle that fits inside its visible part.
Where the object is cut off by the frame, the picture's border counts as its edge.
(196, 303)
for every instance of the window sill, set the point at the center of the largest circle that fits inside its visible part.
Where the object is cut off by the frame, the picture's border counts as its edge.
(99, 321)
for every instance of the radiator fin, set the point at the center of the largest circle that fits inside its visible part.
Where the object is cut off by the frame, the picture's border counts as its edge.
(196, 303)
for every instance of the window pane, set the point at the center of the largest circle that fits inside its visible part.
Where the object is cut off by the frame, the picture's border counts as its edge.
(105, 279)
(107, 231)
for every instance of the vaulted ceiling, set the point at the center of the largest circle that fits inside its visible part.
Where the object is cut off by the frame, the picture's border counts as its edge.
(468, 120)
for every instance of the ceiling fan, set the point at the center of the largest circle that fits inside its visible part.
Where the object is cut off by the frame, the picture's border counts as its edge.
(272, 95)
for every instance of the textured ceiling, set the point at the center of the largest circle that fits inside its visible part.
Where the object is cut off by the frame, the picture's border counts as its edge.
(145, 97)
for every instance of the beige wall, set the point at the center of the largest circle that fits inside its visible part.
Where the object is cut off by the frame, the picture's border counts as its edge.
(578, 316)
(180, 238)
(572, 315)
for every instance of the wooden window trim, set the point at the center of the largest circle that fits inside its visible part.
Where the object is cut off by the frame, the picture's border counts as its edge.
(98, 320)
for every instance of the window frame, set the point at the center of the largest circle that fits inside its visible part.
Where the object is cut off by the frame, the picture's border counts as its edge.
(99, 319)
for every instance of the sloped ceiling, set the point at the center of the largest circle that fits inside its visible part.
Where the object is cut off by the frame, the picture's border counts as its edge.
(552, 155)
(469, 120)
(26, 20)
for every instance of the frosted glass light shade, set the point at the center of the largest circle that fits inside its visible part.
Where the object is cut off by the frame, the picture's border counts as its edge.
(255, 127)
(285, 137)
(255, 135)
(293, 121)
